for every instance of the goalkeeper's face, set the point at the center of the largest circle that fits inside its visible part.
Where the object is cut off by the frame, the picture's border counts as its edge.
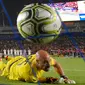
(43, 59)
(43, 64)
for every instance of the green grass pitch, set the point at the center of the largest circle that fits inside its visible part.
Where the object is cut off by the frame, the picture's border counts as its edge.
(74, 68)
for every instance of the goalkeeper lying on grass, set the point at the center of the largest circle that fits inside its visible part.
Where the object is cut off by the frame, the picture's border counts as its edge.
(31, 69)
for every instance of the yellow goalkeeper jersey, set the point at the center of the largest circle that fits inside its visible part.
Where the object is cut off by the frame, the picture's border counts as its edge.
(19, 68)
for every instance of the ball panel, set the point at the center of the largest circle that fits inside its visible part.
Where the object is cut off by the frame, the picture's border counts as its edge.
(22, 33)
(41, 13)
(22, 16)
(51, 27)
(46, 39)
(28, 28)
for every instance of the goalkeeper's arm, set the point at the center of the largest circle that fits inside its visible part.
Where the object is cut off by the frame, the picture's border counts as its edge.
(59, 70)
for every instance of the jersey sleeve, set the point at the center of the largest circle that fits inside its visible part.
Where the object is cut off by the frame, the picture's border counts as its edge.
(52, 61)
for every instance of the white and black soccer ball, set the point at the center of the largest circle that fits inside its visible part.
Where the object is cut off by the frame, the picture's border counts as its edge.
(38, 23)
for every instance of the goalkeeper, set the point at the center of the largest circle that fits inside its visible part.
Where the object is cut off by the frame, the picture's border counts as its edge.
(32, 68)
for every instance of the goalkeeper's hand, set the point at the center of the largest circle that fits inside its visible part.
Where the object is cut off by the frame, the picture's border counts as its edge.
(51, 80)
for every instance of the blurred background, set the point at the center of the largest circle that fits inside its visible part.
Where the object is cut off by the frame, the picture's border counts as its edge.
(72, 15)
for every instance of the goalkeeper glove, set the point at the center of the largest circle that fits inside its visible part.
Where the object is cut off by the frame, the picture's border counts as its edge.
(65, 79)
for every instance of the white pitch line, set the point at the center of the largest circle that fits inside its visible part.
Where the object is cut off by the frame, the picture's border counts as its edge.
(73, 70)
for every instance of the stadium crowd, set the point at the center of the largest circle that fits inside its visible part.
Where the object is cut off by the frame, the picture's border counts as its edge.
(63, 46)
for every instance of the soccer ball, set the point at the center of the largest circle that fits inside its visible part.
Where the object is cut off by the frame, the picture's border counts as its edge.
(38, 23)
